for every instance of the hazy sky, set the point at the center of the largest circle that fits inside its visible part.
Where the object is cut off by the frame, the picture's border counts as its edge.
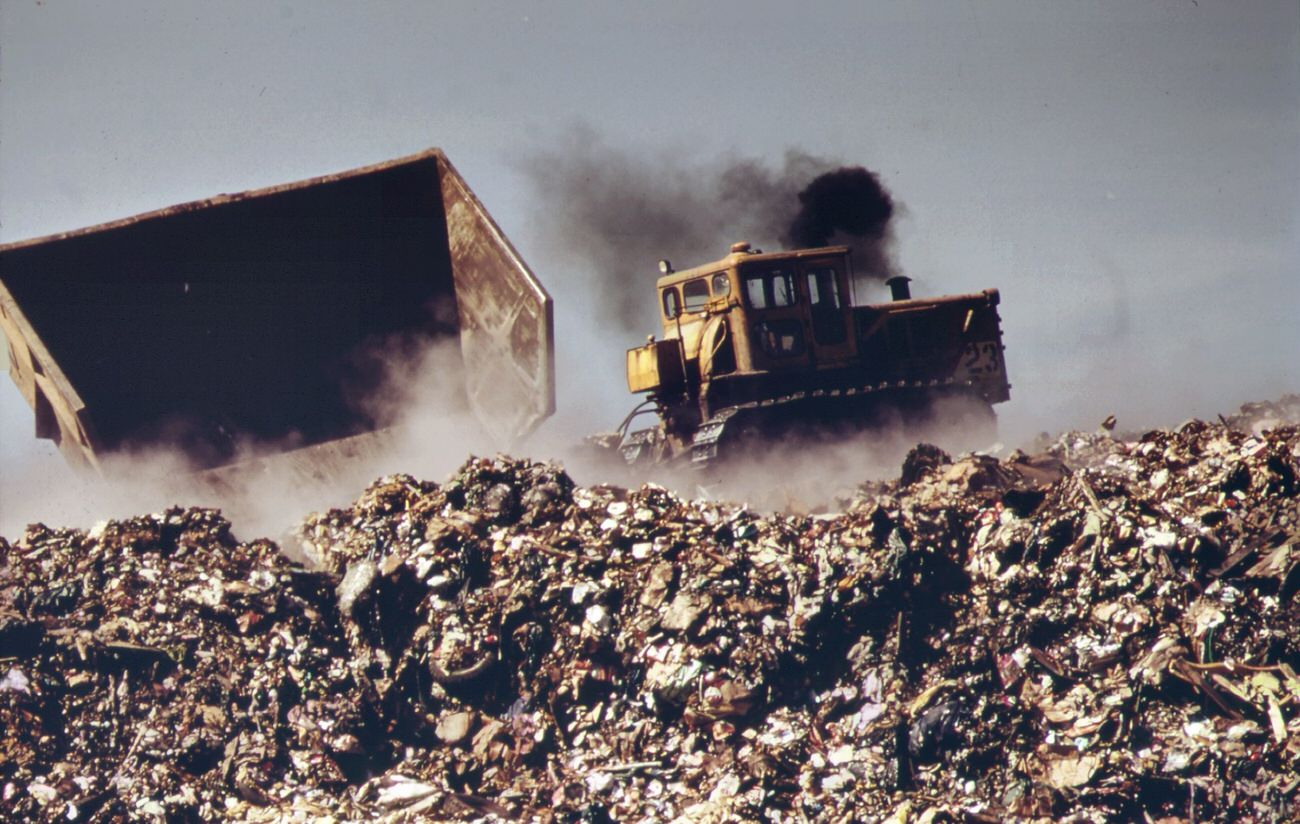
(1128, 174)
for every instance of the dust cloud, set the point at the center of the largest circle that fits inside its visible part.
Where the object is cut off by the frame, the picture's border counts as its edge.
(816, 472)
(426, 429)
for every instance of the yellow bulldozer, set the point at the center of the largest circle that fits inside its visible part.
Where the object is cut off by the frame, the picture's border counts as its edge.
(757, 347)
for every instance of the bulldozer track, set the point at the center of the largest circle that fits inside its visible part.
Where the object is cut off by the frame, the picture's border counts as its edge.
(709, 436)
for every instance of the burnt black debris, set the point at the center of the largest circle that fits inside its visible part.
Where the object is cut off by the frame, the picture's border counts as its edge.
(1106, 630)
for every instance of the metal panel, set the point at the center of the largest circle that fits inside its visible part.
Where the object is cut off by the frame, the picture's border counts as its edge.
(506, 319)
(656, 367)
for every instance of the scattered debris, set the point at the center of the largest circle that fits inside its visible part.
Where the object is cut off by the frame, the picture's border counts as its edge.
(1107, 630)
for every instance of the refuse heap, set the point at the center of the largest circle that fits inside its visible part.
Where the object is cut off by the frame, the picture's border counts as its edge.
(1105, 630)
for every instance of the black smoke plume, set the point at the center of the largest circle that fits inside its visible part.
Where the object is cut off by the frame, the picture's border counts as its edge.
(848, 205)
(615, 213)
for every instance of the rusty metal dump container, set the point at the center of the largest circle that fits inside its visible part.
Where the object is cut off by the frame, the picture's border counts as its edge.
(258, 315)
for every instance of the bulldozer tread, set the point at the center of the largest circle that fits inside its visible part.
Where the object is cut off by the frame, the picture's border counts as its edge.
(709, 445)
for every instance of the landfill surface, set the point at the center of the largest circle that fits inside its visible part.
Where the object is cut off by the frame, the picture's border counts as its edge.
(1104, 630)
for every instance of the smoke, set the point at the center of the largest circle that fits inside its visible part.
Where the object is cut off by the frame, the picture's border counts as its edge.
(848, 205)
(615, 213)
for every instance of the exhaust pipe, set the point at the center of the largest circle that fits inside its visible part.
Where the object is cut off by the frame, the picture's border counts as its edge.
(898, 288)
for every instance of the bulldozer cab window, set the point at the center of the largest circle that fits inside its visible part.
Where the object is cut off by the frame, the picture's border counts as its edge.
(823, 288)
(824, 296)
(770, 289)
(672, 303)
(696, 294)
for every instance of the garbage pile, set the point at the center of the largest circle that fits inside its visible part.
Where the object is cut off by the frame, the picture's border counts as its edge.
(1104, 630)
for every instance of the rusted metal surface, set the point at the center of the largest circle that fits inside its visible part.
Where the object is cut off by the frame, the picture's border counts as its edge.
(506, 318)
(264, 315)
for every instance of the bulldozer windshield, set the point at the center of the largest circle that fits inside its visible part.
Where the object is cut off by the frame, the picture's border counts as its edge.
(770, 288)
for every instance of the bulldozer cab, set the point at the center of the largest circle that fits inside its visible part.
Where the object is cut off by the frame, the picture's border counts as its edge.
(748, 313)
(795, 312)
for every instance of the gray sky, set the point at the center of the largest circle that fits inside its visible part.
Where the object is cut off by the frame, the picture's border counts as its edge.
(1127, 174)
